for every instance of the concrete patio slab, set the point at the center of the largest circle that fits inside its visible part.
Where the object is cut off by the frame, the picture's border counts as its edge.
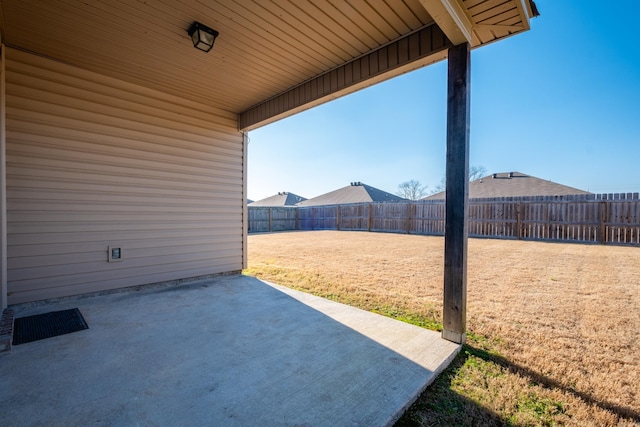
(228, 351)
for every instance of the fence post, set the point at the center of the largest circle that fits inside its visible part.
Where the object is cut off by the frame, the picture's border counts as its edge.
(603, 226)
(338, 217)
(313, 219)
(370, 217)
(519, 222)
(270, 228)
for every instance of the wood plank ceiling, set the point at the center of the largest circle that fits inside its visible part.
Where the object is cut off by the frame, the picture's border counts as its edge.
(265, 47)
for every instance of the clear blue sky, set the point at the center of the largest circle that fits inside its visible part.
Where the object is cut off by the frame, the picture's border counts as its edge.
(560, 102)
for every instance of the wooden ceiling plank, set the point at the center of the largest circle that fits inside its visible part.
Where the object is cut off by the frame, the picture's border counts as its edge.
(418, 11)
(379, 21)
(503, 18)
(330, 24)
(349, 27)
(500, 33)
(279, 36)
(49, 20)
(54, 12)
(512, 21)
(511, 25)
(484, 6)
(346, 9)
(318, 39)
(485, 36)
(502, 28)
(399, 16)
(472, 3)
(495, 11)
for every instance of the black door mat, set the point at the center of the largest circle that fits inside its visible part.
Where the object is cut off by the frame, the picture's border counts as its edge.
(47, 325)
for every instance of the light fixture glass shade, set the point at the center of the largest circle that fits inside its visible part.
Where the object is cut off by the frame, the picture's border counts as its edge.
(202, 36)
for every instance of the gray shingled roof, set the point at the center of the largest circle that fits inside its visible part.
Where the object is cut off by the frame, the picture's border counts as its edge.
(513, 184)
(357, 192)
(280, 199)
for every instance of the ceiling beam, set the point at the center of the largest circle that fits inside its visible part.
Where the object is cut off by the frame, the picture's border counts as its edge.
(452, 17)
(411, 51)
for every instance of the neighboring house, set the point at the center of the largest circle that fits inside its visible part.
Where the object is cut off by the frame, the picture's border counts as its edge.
(281, 199)
(357, 192)
(123, 148)
(512, 184)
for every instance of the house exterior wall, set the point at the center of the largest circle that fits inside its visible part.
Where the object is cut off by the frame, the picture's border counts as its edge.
(93, 161)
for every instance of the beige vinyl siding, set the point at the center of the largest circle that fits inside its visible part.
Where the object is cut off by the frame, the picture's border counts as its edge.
(93, 161)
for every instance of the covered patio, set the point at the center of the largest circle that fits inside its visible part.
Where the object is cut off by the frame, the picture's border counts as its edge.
(123, 163)
(227, 351)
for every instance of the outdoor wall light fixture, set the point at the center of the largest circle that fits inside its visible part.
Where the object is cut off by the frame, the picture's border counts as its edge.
(202, 36)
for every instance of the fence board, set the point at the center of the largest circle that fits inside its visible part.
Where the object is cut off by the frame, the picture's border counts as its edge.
(590, 218)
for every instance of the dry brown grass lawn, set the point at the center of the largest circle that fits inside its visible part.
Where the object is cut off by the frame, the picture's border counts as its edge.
(553, 328)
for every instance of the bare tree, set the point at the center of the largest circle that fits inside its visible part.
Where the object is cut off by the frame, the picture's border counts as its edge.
(475, 172)
(412, 190)
(442, 185)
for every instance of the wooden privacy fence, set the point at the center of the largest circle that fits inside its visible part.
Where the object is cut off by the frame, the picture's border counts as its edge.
(596, 218)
